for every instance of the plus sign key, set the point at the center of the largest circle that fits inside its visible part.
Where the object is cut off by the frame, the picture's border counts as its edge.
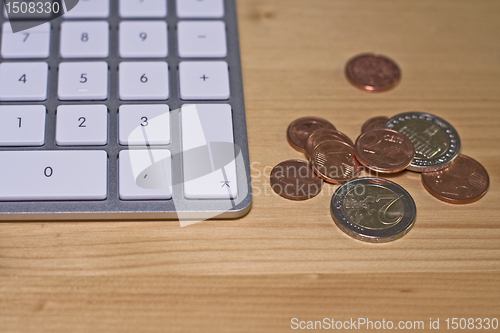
(204, 80)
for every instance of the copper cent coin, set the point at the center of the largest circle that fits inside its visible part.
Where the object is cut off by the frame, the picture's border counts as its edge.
(334, 161)
(295, 180)
(324, 134)
(464, 181)
(372, 72)
(373, 210)
(374, 123)
(300, 129)
(384, 150)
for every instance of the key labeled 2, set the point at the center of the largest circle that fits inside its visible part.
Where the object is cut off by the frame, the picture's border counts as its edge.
(82, 125)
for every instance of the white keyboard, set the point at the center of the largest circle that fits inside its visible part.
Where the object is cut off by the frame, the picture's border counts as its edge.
(124, 109)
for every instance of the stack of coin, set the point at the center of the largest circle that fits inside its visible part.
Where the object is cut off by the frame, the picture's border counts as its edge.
(375, 209)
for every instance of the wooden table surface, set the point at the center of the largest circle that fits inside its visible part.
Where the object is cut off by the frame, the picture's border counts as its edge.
(288, 259)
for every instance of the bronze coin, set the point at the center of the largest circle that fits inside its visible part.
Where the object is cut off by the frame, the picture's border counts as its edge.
(295, 180)
(300, 129)
(464, 181)
(324, 134)
(334, 161)
(374, 123)
(384, 150)
(372, 72)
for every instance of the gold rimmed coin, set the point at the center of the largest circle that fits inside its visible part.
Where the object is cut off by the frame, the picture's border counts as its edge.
(300, 129)
(324, 134)
(464, 181)
(295, 180)
(384, 150)
(334, 161)
(374, 123)
(372, 72)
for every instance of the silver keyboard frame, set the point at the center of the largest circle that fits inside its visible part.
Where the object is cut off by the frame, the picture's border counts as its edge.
(113, 208)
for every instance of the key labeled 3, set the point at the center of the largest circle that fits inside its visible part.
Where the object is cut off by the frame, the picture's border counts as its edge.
(144, 124)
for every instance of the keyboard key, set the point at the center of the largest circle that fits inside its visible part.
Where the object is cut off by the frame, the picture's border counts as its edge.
(84, 39)
(83, 81)
(145, 174)
(53, 175)
(82, 125)
(143, 81)
(144, 124)
(22, 125)
(200, 8)
(201, 80)
(208, 152)
(28, 44)
(89, 9)
(143, 39)
(143, 8)
(202, 39)
(23, 81)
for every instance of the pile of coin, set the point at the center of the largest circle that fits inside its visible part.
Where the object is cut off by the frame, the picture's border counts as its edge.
(373, 209)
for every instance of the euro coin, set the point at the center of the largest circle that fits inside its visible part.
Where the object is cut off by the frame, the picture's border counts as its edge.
(436, 142)
(373, 210)
(300, 129)
(295, 180)
(464, 181)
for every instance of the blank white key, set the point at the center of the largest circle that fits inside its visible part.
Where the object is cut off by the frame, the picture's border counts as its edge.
(143, 39)
(144, 124)
(143, 81)
(200, 8)
(143, 8)
(28, 44)
(84, 39)
(204, 80)
(53, 175)
(22, 125)
(202, 39)
(83, 81)
(145, 174)
(23, 81)
(82, 125)
(89, 9)
(209, 169)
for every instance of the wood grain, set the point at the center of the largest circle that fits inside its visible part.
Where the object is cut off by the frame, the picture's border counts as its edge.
(287, 259)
